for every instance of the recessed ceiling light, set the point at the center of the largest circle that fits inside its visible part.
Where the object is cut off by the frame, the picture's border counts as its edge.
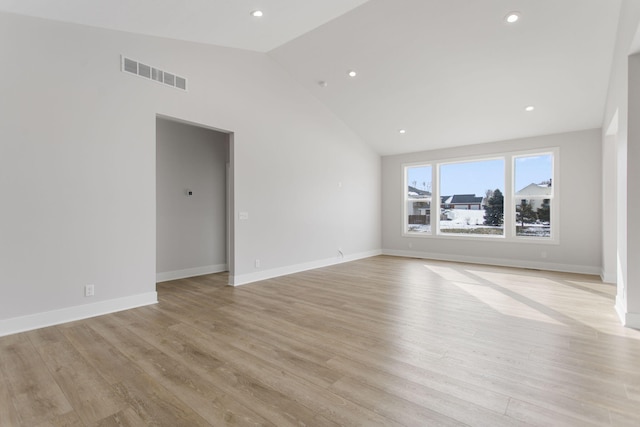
(512, 17)
(530, 108)
(402, 131)
(352, 73)
(257, 13)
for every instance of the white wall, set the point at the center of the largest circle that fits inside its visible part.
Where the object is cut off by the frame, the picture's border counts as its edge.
(632, 317)
(609, 206)
(627, 196)
(191, 231)
(77, 167)
(580, 221)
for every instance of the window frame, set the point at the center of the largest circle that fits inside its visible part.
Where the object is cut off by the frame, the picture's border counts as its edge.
(439, 198)
(510, 223)
(554, 228)
(405, 199)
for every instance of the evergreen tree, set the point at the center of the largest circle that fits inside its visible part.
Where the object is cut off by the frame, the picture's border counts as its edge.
(488, 194)
(544, 211)
(525, 213)
(494, 210)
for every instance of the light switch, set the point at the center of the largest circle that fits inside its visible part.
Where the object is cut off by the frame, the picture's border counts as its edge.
(244, 215)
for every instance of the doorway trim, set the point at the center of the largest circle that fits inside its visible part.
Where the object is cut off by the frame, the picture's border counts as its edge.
(230, 196)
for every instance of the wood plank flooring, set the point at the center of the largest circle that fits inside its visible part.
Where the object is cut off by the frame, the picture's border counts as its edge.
(381, 341)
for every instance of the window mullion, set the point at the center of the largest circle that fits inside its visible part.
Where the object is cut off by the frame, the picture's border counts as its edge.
(509, 207)
(435, 199)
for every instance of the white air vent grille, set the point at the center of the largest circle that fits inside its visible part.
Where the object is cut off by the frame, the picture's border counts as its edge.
(181, 83)
(152, 73)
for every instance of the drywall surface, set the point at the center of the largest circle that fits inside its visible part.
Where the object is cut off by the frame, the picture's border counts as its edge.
(579, 248)
(77, 163)
(609, 208)
(633, 195)
(191, 229)
(618, 109)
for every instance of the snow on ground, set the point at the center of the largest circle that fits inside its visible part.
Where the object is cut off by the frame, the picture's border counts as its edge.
(458, 218)
(462, 218)
(420, 228)
(474, 219)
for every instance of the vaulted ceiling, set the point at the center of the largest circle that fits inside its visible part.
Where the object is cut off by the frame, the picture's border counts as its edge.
(448, 72)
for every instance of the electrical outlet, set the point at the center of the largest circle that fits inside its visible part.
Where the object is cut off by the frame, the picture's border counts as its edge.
(89, 290)
(257, 263)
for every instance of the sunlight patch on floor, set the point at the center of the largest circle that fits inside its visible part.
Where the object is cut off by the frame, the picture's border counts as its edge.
(452, 274)
(510, 279)
(505, 304)
(605, 289)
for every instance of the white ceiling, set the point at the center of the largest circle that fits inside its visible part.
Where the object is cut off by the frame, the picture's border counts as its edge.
(218, 22)
(450, 72)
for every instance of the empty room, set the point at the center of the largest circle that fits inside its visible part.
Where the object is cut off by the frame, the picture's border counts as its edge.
(320, 213)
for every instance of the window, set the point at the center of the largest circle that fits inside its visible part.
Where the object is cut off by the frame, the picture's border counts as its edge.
(513, 196)
(468, 190)
(418, 199)
(533, 195)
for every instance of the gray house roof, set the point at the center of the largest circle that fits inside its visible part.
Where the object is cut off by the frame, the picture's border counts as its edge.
(418, 191)
(462, 199)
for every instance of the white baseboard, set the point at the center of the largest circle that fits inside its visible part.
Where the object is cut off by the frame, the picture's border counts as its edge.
(244, 279)
(565, 268)
(630, 320)
(70, 314)
(633, 320)
(190, 272)
(608, 277)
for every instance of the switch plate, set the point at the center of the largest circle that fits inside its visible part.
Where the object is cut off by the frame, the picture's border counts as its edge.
(243, 215)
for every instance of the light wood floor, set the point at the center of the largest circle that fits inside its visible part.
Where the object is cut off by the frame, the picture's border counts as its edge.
(381, 341)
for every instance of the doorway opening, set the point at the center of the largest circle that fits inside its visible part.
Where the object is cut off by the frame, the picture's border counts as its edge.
(194, 199)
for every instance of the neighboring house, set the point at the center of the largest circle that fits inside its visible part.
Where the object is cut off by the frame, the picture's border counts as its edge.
(532, 194)
(462, 201)
(417, 192)
(418, 205)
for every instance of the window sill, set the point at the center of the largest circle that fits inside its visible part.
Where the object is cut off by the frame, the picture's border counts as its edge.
(484, 238)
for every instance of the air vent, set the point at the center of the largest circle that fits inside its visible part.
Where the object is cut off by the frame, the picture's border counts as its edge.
(169, 79)
(144, 71)
(152, 73)
(181, 83)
